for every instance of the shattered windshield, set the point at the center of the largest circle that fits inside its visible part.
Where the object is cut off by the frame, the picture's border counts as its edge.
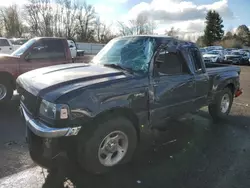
(133, 53)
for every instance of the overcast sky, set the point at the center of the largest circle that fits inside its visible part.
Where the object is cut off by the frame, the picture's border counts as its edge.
(188, 15)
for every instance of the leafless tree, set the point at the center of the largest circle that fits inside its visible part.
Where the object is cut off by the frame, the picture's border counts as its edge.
(11, 21)
(68, 12)
(172, 32)
(103, 31)
(124, 29)
(86, 17)
(142, 24)
(33, 17)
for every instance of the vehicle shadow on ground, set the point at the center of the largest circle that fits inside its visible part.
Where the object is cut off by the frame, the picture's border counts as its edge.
(10, 108)
(160, 158)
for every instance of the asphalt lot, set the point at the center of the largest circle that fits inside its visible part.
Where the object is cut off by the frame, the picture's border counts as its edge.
(189, 154)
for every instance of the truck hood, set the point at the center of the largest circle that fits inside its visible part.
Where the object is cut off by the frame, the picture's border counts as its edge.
(54, 81)
(7, 57)
(210, 55)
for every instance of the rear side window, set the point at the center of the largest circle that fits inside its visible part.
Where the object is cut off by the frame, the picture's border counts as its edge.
(196, 59)
(170, 63)
(48, 49)
(4, 42)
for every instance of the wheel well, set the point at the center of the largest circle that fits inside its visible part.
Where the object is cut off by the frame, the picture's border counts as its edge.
(124, 112)
(231, 87)
(9, 77)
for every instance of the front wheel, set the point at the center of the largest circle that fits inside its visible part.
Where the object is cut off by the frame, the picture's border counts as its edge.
(221, 107)
(6, 91)
(112, 142)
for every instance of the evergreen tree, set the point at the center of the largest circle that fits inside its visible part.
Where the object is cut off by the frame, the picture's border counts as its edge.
(214, 28)
(243, 33)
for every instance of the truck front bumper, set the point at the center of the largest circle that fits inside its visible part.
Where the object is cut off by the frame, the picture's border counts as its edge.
(46, 144)
(42, 130)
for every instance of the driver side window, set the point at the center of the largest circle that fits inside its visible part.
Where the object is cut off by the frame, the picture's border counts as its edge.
(47, 49)
(170, 63)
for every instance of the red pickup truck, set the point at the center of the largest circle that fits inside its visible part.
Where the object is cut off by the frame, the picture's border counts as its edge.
(35, 53)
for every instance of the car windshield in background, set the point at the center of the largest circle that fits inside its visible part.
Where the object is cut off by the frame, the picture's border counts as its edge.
(213, 52)
(23, 48)
(133, 53)
(236, 53)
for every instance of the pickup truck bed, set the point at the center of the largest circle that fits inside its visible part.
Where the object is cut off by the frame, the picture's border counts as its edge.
(212, 68)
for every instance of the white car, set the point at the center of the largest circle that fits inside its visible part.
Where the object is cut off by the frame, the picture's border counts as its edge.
(17, 42)
(6, 46)
(72, 48)
(214, 56)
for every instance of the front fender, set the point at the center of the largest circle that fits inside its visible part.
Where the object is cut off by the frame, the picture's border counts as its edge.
(91, 104)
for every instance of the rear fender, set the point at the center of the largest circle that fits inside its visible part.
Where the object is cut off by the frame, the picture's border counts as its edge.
(226, 79)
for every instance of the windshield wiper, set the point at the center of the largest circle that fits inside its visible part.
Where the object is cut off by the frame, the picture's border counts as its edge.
(116, 66)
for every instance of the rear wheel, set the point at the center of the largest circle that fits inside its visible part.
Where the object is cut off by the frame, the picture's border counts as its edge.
(221, 107)
(113, 142)
(6, 91)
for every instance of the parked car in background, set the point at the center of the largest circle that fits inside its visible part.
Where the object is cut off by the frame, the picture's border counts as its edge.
(17, 42)
(36, 53)
(214, 56)
(6, 46)
(203, 51)
(210, 48)
(236, 57)
(95, 112)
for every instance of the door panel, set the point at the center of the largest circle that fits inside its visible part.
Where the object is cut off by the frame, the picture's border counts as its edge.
(26, 66)
(46, 52)
(173, 95)
(201, 78)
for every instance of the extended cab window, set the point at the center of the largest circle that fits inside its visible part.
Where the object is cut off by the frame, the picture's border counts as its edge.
(4, 42)
(48, 49)
(170, 63)
(196, 59)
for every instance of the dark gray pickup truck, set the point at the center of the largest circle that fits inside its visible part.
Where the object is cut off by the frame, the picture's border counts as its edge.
(95, 112)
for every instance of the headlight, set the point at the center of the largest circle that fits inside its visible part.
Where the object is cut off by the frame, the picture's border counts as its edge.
(53, 111)
(47, 109)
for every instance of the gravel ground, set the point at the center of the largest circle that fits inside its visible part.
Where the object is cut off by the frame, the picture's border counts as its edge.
(189, 154)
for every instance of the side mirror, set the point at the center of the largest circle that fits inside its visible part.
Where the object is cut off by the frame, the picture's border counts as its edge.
(71, 46)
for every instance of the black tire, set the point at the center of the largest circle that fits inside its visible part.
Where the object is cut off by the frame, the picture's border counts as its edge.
(215, 107)
(87, 149)
(9, 89)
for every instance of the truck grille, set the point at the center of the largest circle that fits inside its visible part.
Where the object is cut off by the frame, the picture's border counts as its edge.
(29, 101)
